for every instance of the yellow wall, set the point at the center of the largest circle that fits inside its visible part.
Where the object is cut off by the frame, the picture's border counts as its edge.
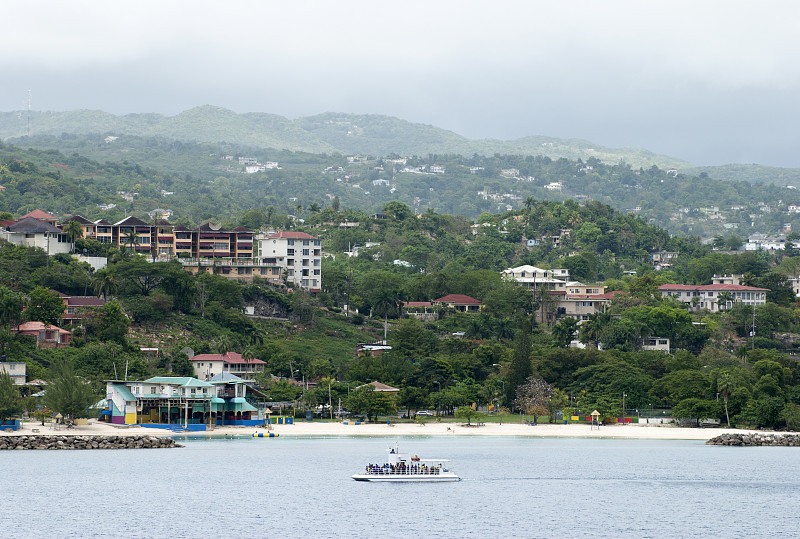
(130, 419)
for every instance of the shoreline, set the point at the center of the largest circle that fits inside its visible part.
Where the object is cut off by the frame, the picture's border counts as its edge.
(303, 429)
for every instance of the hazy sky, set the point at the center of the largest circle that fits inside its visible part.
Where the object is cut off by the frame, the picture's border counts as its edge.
(711, 82)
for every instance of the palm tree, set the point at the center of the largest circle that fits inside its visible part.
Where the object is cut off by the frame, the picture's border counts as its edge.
(723, 298)
(130, 239)
(73, 230)
(725, 386)
(314, 207)
(105, 284)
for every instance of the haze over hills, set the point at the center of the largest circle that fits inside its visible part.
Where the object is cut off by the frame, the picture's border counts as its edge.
(371, 134)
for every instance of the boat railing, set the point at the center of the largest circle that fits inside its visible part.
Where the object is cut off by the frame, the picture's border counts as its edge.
(404, 470)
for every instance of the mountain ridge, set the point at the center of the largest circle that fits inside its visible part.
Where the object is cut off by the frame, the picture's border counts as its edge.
(328, 132)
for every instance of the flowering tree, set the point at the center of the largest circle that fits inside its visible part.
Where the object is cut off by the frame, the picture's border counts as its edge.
(533, 396)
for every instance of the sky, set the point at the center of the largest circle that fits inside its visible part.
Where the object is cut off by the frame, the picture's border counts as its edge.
(710, 82)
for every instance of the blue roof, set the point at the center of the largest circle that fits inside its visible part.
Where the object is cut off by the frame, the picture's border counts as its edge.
(183, 381)
(124, 392)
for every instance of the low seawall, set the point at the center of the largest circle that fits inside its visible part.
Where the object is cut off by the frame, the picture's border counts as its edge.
(85, 442)
(756, 439)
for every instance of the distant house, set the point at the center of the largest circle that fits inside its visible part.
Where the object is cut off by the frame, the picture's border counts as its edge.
(16, 370)
(461, 302)
(47, 335)
(708, 296)
(33, 232)
(207, 366)
(76, 307)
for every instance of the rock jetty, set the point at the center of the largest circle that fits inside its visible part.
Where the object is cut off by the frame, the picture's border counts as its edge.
(85, 442)
(756, 439)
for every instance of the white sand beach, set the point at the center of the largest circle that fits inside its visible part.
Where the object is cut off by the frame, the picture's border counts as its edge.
(432, 428)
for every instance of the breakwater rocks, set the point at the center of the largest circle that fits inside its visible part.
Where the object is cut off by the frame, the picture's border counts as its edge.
(85, 442)
(756, 438)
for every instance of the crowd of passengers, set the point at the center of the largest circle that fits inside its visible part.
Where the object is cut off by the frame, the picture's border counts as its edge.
(402, 469)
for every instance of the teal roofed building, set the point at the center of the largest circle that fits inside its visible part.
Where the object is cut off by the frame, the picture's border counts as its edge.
(181, 402)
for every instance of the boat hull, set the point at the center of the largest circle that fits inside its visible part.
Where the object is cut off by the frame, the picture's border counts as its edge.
(406, 478)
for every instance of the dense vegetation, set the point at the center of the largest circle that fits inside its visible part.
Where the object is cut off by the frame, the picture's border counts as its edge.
(197, 183)
(506, 355)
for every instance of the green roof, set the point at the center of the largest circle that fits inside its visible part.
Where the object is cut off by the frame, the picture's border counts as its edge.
(183, 381)
(124, 391)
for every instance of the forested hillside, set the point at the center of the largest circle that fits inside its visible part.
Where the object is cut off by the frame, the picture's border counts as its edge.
(456, 359)
(200, 181)
(344, 133)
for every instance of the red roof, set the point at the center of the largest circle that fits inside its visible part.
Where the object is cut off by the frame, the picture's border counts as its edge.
(458, 299)
(417, 304)
(712, 287)
(37, 326)
(39, 214)
(293, 235)
(230, 357)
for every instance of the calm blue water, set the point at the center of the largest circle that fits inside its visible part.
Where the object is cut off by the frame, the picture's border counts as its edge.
(301, 487)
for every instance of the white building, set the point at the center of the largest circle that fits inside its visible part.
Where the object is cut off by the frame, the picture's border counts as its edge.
(532, 277)
(32, 232)
(708, 296)
(298, 254)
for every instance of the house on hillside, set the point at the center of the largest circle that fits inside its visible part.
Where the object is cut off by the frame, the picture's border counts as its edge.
(712, 296)
(32, 232)
(207, 366)
(461, 303)
(46, 335)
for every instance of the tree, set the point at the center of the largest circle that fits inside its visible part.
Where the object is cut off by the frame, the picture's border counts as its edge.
(73, 230)
(533, 396)
(10, 403)
(365, 400)
(791, 415)
(44, 306)
(67, 394)
(520, 367)
(725, 386)
(564, 332)
(468, 413)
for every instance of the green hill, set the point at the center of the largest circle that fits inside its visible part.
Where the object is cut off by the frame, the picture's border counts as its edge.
(324, 133)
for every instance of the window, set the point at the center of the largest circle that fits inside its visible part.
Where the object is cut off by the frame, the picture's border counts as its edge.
(305, 262)
(305, 252)
(290, 242)
(290, 252)
(153, 390)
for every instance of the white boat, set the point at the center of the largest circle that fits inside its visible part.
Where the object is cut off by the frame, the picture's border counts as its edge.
(402, 467)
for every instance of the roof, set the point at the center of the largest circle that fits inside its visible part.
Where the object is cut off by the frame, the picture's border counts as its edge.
(713, 287)
(293, 235)
(225, 376)
(184, 381)
(37, 326)
(381, 387)
(79, 219)
(39, 214)
(163, 222)
(31, 225)
(131, 221)
(124, 392)
(230, 357)
(417, 304)
(459, 299)
(85, 301)
(102, 222)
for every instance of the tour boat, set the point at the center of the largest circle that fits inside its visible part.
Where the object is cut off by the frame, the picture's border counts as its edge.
(402, 467)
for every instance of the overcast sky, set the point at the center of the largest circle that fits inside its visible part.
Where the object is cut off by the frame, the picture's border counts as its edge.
(712, 82)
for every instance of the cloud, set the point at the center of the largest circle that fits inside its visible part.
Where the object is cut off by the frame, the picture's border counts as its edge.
(657, 74)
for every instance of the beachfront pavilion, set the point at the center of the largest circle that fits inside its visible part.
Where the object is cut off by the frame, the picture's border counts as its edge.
(167, 401)
(164, 400)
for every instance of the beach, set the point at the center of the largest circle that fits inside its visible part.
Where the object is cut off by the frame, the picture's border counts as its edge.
(431, 428)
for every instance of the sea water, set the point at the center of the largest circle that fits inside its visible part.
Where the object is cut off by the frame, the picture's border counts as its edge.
(301, 487)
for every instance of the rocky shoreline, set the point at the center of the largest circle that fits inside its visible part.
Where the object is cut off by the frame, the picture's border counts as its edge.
(756, 439)
(86, 442)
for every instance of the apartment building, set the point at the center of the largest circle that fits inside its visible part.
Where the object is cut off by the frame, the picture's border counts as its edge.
(298, 256)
